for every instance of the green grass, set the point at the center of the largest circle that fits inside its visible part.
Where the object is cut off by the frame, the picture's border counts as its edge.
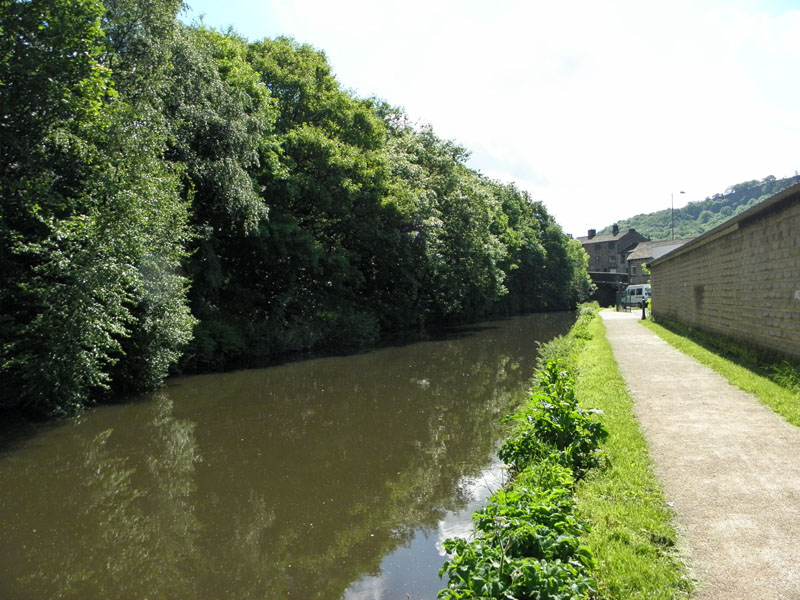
(784, 401)
(631, 535)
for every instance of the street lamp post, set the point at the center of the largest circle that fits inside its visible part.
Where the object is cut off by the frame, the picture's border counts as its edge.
(672, 212)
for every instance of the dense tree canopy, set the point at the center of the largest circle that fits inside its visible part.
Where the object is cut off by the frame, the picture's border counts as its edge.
(173, 195)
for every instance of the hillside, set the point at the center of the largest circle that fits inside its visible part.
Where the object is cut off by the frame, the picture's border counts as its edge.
(698, 217)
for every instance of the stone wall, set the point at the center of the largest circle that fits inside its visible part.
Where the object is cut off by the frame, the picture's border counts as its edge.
(740, 280)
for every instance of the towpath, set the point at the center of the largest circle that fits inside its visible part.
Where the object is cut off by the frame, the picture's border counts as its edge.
(730, 467)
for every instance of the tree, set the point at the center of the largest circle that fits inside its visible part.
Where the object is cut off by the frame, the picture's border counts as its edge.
(451, 211)
(138, 151)
(581, 285)
(53, 95)
(221, 121)
(144, 192)
(91, 227)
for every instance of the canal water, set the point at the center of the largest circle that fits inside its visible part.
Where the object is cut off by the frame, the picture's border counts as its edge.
(332, 478)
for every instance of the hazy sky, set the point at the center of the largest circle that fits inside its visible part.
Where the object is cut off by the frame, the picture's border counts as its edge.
(602, 110)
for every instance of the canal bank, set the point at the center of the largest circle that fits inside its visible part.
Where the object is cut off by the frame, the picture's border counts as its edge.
(627, 539)
(527, 538)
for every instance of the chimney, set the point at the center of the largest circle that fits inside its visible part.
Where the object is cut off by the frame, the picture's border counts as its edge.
(615, 229)
(592, 233)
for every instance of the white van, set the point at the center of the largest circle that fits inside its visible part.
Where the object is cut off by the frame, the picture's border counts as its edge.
(634, 294)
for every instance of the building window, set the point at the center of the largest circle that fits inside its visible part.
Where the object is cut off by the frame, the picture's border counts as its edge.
(633, 270)
(612, 260)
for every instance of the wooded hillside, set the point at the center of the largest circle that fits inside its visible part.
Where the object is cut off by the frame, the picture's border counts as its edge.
(698, 217)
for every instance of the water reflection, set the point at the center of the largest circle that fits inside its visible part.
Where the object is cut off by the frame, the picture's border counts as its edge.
(413, 569)
(289, 482)
(83, 518)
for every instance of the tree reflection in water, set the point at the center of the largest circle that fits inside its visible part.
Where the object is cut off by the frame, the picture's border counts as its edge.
(288, 482)
(97, 520)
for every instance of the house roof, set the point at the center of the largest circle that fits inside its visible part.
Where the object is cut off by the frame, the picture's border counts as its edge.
(644, 250)
(790, 194)
(605, 237)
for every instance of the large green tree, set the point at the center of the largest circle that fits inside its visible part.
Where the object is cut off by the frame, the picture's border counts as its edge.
(319, 265)
(221, 119)
(453, 212)
(92, 227)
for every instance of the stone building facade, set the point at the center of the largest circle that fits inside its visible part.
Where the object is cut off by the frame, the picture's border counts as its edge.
(740, 280)
(607, 252)
(607, 265)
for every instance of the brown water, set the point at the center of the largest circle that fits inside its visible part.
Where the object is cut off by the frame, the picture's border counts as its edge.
(330, 478)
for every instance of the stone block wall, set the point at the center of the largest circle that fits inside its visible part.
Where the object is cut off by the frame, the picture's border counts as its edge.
(740, 280)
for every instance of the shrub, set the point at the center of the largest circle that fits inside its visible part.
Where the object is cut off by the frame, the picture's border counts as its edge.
(527, 540)
(558, 424)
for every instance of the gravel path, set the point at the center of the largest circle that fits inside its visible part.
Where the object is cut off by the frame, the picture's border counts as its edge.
(729, 465)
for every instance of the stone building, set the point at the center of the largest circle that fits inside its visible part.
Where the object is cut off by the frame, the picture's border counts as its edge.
(645, 252)
(608, 267)
(741, 280)
(607, 252)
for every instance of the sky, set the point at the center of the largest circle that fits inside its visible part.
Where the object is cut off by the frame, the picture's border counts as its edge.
(601, 110)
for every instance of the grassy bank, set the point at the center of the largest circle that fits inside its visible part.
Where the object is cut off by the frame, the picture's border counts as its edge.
(582, 516)
(741, 369)
(631, 534)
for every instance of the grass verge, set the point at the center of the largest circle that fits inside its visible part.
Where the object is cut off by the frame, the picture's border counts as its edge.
(631, 534)
(749, 377)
